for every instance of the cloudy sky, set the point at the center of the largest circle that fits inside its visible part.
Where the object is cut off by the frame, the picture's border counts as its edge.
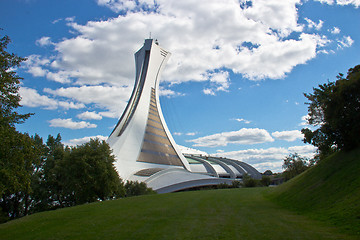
(233, 86)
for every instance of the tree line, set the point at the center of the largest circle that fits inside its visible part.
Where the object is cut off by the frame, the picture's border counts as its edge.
(37, 176)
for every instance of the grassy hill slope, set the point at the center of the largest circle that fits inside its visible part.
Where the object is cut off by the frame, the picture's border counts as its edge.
(215, 214)
(326, 200)
(329, 192)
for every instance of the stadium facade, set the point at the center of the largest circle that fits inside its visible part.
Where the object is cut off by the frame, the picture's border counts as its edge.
(144, 147)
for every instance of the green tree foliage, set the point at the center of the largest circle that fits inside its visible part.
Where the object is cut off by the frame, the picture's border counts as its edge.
(48, 181)
(335, 108)
(9, 86)
(89, 173)
(249, 182)
(35, 176)
(135, 188)
(18, 154)
(265, 181)
(294, 164)
(18, 159)
(77, 175)
(268, 173)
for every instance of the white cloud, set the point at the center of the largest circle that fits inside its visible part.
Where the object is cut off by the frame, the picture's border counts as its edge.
(79, 141)
(271, 158)
(59, 76)
(69, 123)
(346, 41)
(44, 41)
(96, 64)
(56, 20)
(279, 15)
(187, 150)
(356, 3)
(187, 134)
(243, 136)
(289, 136)
(127, 5)
(335, 30)
(190, 134)
(304, 150)
(35, 65)
(219, 81)
(70, 19)
(248, 41)
(169, 93)
(242, 120)
(330, 2)
(40, 67)
(101, 96)
(31, 98)
(312, 24)
(89, 116)
(304, 120)
(208, 91)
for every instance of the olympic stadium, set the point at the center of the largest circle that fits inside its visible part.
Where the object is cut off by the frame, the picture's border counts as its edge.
(144, 147)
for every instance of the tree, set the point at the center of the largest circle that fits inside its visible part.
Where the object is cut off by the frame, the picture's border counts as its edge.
(294, 164)
(72, 176)
(88, 173)
(17, 152)
(335, 108)
(36, 200)
(265, 181)
(249, 181)
(135, 188)
(268, 173)
(9, 86)
(18, 158)
(51, 189)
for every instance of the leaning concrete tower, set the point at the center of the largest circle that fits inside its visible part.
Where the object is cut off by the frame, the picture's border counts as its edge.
(141, 140)
(143, 146)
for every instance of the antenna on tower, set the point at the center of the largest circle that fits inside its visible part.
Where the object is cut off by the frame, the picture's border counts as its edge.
(150, 36)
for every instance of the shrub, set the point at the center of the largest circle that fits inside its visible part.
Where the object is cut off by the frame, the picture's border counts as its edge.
(249, 182)
(135, 188)
(223, 185)
(236, 184)
(3, 217)
(265, 181)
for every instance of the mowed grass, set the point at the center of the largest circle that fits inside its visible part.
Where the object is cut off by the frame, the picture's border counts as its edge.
(215, 214)
(329, 192)
(321, 203)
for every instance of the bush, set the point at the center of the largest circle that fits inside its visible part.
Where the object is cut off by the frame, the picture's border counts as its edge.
(294, 164)
(249, 182)
(236, 184)
(3, 217)
(265, 181)
(223, 185)
(135, 188)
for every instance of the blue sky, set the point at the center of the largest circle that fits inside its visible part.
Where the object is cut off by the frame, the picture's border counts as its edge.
(234, 84)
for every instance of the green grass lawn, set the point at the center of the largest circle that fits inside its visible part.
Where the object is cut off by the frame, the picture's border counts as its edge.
(329, 192)
(214, 214)
(321, 203)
